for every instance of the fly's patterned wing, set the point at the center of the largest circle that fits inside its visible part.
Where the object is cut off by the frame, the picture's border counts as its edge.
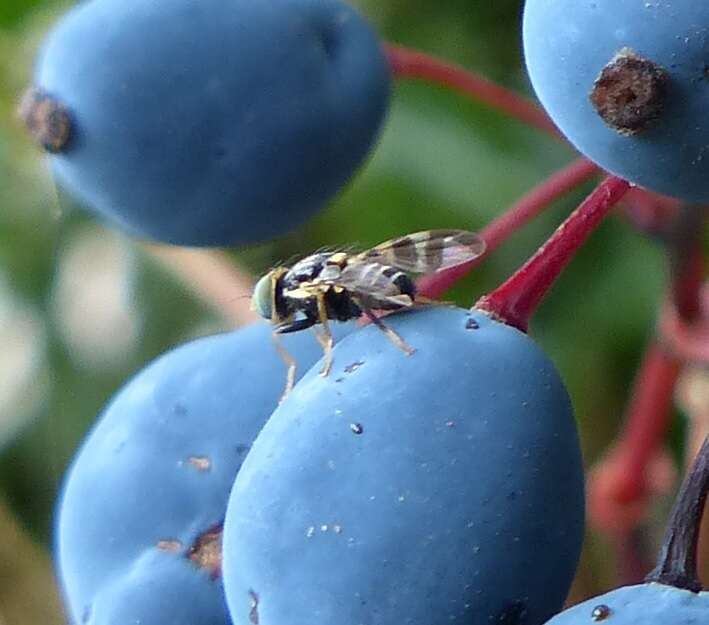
(427, 251)
(374, 284)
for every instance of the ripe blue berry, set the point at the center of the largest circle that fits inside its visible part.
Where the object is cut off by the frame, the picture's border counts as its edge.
(627, 83)
(644, 604)
(208, 123)
(139, 527)
(445, 486)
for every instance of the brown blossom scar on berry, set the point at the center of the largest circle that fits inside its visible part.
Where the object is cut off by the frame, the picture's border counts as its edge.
(630, 93)
(47, 119)
(206, 552)
(201, 463)
(169, 545)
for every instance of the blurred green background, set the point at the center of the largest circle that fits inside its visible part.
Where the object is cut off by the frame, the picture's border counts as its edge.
(82, 307)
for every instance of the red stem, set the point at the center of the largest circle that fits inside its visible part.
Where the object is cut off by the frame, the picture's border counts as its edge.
(499, 230)
(650, 213)
(649, 413)
(687, 287)
(407, 63)
(686, 257)
(516, 299)
(688, 342)
(621, 486)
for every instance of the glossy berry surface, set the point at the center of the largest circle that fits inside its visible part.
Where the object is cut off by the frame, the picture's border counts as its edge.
(445, 486)
(568, 44)
(140, 518)
(644, 604)
(211, 122)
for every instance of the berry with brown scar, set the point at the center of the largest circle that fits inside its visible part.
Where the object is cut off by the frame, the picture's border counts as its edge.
(209, 123)
(629, 95)
(139, 527)
(626, 82)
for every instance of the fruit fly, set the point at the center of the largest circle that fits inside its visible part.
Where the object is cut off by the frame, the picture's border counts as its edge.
(340, 286)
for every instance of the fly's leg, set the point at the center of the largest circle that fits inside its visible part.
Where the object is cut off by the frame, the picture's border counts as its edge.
(325, 339)
(391, 335)
(290, 363)
(427, 301)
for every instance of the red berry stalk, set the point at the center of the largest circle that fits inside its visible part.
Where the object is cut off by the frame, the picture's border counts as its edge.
(515, 300)
(687, 260)
(406, 63)
(621, 485)
(412, 64)
(650, 213)
(519, 214)
(648, 413)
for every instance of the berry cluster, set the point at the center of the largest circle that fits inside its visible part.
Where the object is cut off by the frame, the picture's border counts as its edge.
(441, 482)
(626, 82)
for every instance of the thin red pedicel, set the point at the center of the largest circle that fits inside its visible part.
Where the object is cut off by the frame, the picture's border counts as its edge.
(406, 63)
(686, 289)
(651, 401)
(620, 484)
(687, 341)
(517, 298)
(686, 257)
(650, 408)
(649, 213)
(519, 214)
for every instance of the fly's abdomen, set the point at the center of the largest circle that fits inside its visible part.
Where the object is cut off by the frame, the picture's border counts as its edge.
(401, 281)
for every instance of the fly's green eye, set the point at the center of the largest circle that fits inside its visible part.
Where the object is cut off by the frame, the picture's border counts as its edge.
(261, 298)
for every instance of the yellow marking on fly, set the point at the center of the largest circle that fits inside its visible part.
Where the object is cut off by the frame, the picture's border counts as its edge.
(342, 286)
(303, 292)
(339, 258)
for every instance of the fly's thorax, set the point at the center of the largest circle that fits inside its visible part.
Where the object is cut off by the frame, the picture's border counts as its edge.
(306, 270)
(330, 273)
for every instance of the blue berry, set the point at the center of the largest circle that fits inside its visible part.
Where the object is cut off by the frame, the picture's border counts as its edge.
(440, 487)
(627, 83)
(209, 122)
(139, 527)
(644, 604)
